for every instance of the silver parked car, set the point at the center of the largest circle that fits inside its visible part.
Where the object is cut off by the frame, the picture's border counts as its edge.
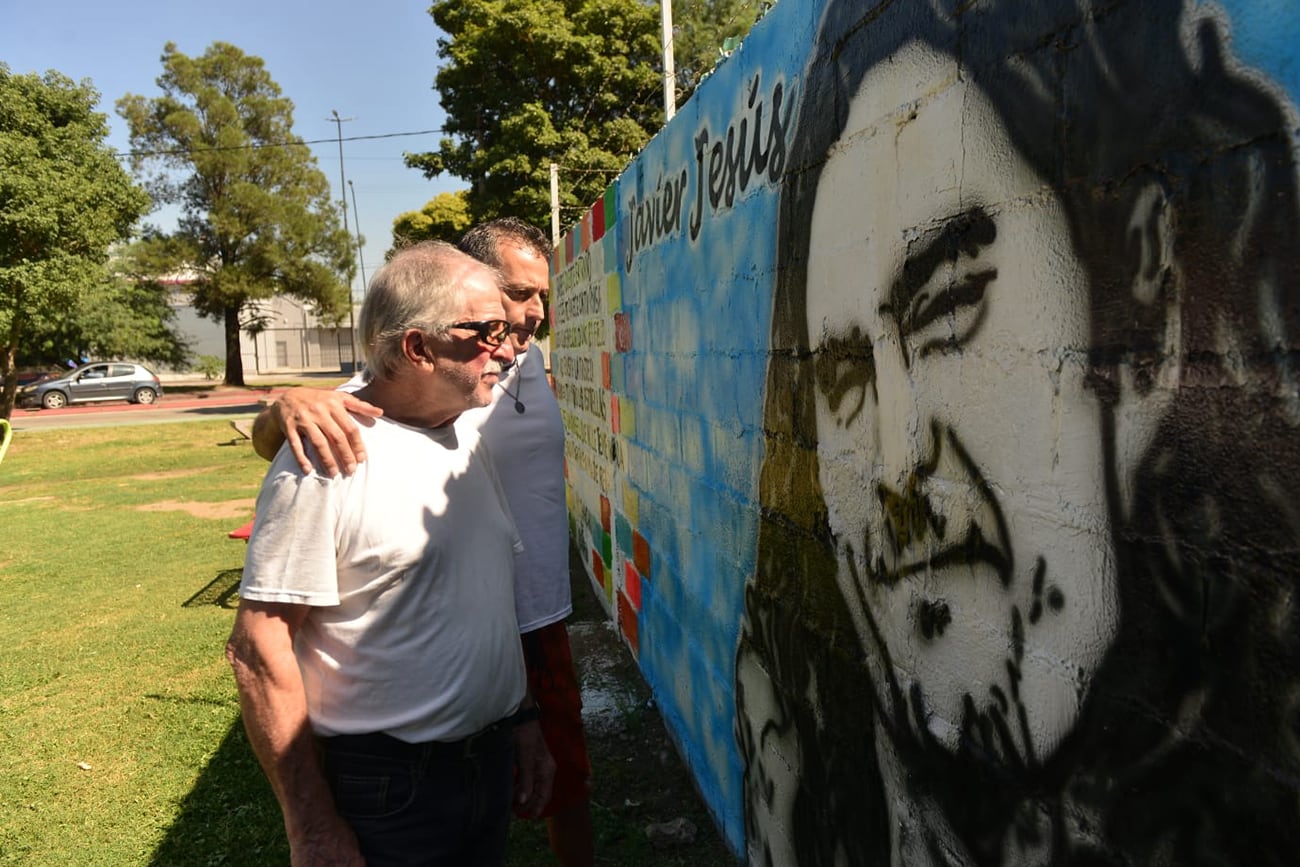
(90, 383)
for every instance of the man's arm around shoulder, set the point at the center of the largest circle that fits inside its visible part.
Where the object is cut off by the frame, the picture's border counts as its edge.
(319, 416)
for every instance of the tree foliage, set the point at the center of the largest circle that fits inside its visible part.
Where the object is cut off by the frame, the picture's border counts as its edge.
(444, 218)
(138, 323)
(256, 216)
(525, 83)
(125, 314)
(64, 201)
(703, 32)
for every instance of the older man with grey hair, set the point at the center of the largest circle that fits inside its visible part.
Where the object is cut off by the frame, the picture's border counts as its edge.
(376, 647)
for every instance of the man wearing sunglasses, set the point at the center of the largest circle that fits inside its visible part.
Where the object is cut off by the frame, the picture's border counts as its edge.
(376, 645)
(523, 429)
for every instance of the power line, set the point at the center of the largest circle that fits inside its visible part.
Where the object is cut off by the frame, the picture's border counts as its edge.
(272, 144)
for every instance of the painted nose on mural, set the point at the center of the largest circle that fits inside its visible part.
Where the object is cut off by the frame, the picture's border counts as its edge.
(942, 515)
(905, 428)
(910, 524)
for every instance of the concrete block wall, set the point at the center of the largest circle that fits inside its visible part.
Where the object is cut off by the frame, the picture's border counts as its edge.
(931, 391)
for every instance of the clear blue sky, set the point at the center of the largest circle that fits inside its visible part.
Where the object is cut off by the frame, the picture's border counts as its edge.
(374, 62)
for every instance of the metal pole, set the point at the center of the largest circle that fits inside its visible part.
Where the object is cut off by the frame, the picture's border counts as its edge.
(555, 205)
(343, 183)
(670, 72)
(361, 257)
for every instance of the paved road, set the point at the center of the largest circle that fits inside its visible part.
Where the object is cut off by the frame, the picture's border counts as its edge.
(219, 403)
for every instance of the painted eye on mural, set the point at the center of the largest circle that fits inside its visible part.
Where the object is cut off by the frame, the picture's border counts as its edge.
(938, 299)
(846, 369)
(946, 320)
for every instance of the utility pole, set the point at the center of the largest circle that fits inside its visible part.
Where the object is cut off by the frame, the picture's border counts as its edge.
(343, 183)
(555, 205)
(670, 71)
(343, 194)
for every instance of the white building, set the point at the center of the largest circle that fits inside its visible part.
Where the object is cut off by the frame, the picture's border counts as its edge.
(292, 340)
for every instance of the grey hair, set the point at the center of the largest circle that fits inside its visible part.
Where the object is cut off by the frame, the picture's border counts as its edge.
(411, 291)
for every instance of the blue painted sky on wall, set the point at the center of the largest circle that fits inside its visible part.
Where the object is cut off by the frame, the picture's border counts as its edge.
(698, 293)
(1265, 34)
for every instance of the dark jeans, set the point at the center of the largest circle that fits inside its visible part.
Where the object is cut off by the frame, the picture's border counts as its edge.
(425, 804)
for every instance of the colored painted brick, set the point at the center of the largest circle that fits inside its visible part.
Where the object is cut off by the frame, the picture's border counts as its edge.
(632, 584)
(628, 624)
(641, 554)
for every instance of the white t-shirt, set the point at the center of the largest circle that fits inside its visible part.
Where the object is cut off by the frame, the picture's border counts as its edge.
(524, 432)
(528, 449)
(408, 566)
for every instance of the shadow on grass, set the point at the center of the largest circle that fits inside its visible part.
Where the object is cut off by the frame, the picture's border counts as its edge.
(230, 817)
(222, 591)
(223, 409)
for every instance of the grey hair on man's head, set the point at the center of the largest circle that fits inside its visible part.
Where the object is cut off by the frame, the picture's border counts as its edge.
(413, 290)
(484, 241)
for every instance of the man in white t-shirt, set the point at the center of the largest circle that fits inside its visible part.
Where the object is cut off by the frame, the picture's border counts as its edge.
(376, 621)
(524, 432)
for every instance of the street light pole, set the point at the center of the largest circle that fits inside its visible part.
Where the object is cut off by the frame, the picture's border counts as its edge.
(343, 193)
(361, 257)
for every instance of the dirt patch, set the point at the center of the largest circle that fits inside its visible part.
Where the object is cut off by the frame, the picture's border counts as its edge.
(169, 474)
(222, 511)
(27, 500)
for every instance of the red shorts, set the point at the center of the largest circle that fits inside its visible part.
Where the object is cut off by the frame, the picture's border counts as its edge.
(553, 684)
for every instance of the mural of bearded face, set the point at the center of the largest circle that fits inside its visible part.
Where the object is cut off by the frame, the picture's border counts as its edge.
(1030, 398)
(948, 314)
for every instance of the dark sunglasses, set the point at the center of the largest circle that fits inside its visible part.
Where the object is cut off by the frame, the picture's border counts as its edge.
(493, 332)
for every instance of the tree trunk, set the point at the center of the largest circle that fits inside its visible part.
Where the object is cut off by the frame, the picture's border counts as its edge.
(9, 373)
(234, 357)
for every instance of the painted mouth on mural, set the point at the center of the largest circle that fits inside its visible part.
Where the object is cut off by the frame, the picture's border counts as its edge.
(928, 525)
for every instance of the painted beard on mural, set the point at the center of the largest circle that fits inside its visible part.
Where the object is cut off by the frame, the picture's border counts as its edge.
(1007, 596)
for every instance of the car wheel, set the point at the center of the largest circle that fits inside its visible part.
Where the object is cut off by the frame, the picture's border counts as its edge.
(54, 400)
(144, 395)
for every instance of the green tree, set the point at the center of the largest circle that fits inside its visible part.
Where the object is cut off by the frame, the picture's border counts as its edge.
(525, 83)
(64, 201)
(126, 314)
(138, 322)
(256, 216)
(444, 218)
(703, 32)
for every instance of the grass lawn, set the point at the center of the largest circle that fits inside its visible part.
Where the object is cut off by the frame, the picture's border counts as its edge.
(120, 738)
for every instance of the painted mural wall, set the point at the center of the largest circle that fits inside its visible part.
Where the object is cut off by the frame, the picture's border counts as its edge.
(931, 393)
